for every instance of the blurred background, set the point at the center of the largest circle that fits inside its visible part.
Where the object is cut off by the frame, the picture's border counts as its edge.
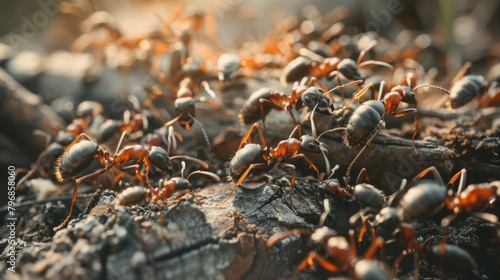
(467, 27)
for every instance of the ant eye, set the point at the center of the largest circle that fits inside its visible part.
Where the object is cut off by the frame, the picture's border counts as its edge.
(307, 99)
(311, 145)
(160, 158)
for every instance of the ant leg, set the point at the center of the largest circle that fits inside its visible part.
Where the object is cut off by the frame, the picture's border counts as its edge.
(73, 199)
(324, 215)
(206, 173)
(341, 87)
(331, 130)
(272, 105)
(461, 72)
(415, 123)
(298, 130)
(171, 136)
(281, 235)
(376, 244)
(362, 174)
(32, 171)
(315, 81)
(359, 94)
(292, 183)
(311, 164)
(147, 167)
(120, 142)
(462, 174)
(249, 133)
(324, 263)
(242, 178)
(375, 62)
(198, 161)
(352, 244)
(381, 126)
(172, 121)
(368, 47)
(362, 230)
(446, 221)
(91, 175)
(422, 174)
(202, 129)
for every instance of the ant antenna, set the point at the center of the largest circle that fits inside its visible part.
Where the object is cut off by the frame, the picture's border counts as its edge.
(324, 215)
(381, 90)
(322, 149)
(183, 164)
(335, 168)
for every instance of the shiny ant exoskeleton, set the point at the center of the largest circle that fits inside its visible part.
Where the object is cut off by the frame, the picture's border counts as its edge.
(368, 119)
(262, 101)
(166, 188)
(464, 88)
(252, 156)
(319, 67)
(341, 256)
(185, 105)
(80, 154)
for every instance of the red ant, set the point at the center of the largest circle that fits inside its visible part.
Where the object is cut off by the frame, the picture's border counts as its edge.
(471, 201)
(165, 190)
(368, 119)
(330, 67)
(259, 156)
(80, 154)
(185, 105)
(262, 101)
(344, 256)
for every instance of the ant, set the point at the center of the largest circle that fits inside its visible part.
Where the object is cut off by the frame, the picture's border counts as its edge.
(473, 200)
(343, 253)
(86, 114)
(80, 154)
(367, 120)
(184, 105)
(167, 187)
(464, 88)
(371, 201)
(252, 156)
(165, 190)
(265, 99)
(316, 65)
(132, 123)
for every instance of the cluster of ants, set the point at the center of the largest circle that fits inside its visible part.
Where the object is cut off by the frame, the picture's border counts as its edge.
(306, 61)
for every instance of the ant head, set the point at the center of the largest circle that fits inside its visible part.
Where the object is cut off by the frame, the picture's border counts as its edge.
(159, 158)
(316, 96)
(407, 94)
(310, 145)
